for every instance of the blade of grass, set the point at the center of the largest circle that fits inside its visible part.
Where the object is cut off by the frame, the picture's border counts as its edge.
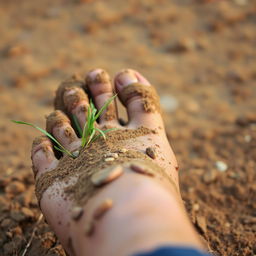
(86, 128)
(45, 133)
(101, 133)
(90, 138)
(59, 149)
(104, 106)
(105, 131)
(80, 132)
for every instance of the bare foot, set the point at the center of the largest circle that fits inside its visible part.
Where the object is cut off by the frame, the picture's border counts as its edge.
(145, 134)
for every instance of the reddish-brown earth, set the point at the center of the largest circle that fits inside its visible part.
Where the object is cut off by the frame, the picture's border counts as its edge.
(201, 56)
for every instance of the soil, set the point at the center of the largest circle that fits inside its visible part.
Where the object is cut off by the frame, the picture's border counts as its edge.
(200, 55)
(92, 160)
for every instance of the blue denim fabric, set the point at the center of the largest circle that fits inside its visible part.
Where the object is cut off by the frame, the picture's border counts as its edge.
(174, 251)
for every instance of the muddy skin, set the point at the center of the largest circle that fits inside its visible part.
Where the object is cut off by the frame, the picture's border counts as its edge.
(84, 188)
(69, 84)
(150, 98)
(56, 119)
(101, 78)
(194, 77)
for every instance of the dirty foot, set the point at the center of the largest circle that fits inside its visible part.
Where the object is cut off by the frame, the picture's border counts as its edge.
(121, 193)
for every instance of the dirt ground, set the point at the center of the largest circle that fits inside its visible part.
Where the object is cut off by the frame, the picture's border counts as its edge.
(201, 57)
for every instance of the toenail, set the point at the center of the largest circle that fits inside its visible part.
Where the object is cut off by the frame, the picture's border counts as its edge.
(73, 97)
(125, 78)
(44, 148)
(97, 76)
(56, 119)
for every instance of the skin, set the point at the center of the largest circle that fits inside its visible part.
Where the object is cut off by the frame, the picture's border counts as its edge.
(145, 217)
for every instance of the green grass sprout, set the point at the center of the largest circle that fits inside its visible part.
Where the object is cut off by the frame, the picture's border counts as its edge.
(88, 134)
(59, 147)
(78, 128)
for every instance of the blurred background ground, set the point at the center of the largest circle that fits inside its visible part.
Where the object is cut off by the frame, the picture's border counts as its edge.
(201, 57)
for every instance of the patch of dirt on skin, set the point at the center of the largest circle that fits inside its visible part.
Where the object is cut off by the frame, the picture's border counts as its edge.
(200, 55)
(93, 159)
(101, 78)
(150, 102)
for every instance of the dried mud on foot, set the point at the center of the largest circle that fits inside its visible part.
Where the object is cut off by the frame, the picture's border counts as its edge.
(203, 67)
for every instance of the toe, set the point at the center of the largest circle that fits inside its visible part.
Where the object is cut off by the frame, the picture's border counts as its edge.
(42, 155)
(99, 84)
(72, 100)
(58, 124)
(140, 99)
(76, 104)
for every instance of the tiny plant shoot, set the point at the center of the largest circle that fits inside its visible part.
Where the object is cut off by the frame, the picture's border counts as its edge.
(88, 134)
(59, 147)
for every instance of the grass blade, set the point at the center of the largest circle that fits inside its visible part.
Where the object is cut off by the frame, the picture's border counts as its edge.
(59, 149)
(45, 133)
(104, 107)
(90, 138)
(80, 132)
(85, 129)
(101, 133)
(105, 131)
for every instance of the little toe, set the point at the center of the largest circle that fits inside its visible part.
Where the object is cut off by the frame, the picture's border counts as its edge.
(99, 84)
(58, 124)
(42, 155)
(140, 98)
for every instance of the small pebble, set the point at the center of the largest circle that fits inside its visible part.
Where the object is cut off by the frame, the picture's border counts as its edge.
(209, 176)
(247, 138)
(221, 166)
(76, 213)
(109, 159)
(75, 153)
(111, 155)
(122, 150)
(169, 103)
(106, 175)
(15, 188)
(89, 228)
(151, 152)
(139, 168)
(27, 212)
(227, 225)
(196, 207)
(102, 208)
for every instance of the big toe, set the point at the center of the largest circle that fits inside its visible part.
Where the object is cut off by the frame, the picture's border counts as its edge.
(140, 98)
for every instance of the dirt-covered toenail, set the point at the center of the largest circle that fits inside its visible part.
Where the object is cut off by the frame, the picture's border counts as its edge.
(73, 96)
(147, 94)
(69, 84)
(56, 119)
(125, 78)
(42, 155)
(99, 85)
(39, 140)
(97, 76)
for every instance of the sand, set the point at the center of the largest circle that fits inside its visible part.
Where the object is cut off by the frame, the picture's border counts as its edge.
(200, 55)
